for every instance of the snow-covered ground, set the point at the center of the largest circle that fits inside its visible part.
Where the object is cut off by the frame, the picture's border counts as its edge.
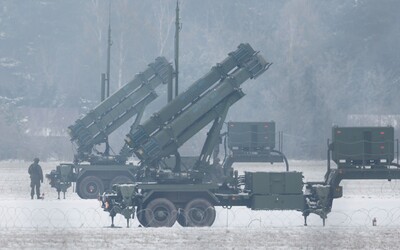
(81, 224)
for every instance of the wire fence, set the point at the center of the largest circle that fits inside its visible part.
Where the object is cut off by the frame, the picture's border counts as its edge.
(90, 217)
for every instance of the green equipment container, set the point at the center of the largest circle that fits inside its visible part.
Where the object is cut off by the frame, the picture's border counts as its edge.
(251, 136)
(362, 146)
(275, 190)
(265, 183)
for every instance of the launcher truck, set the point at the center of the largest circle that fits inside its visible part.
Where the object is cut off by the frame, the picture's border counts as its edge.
(189, 196)
(93, 171)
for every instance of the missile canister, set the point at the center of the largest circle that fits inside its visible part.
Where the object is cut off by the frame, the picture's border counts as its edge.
(119, 107)
(235, 59)
(153, 148)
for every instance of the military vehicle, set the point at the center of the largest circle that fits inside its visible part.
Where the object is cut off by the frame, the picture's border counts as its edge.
(189, 196)
(92, 170)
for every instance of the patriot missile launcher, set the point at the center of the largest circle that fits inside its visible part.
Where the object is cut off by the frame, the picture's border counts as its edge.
(190, 196)
(105, 170)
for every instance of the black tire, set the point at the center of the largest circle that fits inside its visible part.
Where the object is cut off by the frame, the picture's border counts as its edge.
(199, 213)
(141, 217)
(120, 179)
(90, 187)
(160, 212)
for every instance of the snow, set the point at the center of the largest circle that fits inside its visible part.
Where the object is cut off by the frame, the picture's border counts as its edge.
(81, 224)
(202, 238)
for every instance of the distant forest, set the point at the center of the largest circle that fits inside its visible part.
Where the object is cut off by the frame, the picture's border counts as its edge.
(334, 63)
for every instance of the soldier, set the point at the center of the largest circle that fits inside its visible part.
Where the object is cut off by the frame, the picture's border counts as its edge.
(36, 174)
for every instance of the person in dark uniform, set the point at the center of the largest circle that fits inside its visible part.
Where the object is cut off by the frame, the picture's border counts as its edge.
(36, 174)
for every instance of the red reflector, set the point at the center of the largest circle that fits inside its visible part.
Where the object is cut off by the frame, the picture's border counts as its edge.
(266, 126)
(382, 133)
(338, 132)
(382, 147)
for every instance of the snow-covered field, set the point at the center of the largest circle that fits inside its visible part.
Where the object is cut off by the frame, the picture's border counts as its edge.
(81, 224)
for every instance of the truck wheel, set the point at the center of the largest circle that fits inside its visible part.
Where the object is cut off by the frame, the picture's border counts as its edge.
(160, 212)
(90, 187)
(120, 179)
(199, 213)
(141, 217)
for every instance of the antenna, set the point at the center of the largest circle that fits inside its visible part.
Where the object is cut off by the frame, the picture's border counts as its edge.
(177, 30)
(107, 77)
(108, 50)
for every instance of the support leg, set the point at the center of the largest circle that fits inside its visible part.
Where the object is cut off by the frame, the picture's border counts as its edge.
(112, 221)
(127, 223)
(305, 215)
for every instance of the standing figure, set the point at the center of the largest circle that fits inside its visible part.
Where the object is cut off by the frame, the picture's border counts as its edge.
(36, 174)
